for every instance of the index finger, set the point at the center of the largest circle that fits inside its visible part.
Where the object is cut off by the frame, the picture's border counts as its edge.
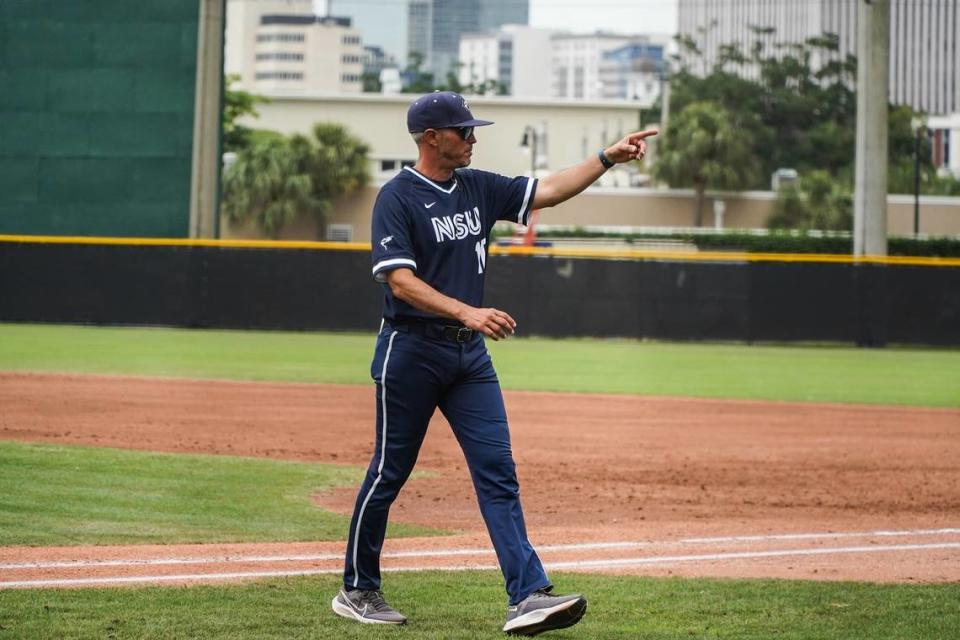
(640, 135)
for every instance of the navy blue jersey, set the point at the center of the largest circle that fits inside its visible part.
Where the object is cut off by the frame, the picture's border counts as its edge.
(442, 231)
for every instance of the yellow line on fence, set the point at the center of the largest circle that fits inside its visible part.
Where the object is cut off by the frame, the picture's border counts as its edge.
(189, 242)
(559, 252)
(725, 256)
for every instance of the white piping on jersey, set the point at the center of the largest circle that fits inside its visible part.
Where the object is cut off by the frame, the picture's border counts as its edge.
(526, 199)
(431, 182)
(391, 262)
(383, 453)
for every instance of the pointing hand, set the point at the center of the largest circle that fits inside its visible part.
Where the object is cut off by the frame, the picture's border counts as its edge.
(631, 147)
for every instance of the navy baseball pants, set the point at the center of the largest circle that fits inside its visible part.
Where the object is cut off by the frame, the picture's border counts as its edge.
(414, 375)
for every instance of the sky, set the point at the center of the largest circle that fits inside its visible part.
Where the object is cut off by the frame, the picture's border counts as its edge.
(647, 16)
(387, 25)
(635, 16)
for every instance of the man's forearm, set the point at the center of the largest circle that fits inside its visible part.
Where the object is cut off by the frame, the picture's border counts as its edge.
(491, 322)
(563, 185)
(417, 293)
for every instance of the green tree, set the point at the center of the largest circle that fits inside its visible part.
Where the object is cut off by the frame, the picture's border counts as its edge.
(800, 101)
(371, 82)
(453, 80)
(278, 178)
(270, 184)
(338, 164)
(238, 103)
(705, 147)
(415, 79)
(819, 202)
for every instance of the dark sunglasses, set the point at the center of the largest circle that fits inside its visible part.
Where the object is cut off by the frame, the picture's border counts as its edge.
(463, 132)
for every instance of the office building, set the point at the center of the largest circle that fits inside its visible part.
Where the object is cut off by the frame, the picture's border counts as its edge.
(281, 47)
(513, 60)
(633, 71)
(382, 23)
(434, 27)
(924, 39)
(576, 63)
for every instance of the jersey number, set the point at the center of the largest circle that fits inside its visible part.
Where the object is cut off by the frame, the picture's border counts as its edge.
(481, 255)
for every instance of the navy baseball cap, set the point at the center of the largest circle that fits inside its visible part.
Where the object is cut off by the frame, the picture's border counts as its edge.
(440, 110)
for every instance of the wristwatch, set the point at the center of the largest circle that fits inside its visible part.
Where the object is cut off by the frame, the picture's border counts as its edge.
(604, 160)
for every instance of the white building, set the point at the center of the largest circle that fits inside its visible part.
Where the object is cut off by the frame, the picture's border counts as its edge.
(608, 66)
(576, 63)
(634, 71)
(924, 39)
(575, 129)
(515, 57)
(945, 136)
(280, 46)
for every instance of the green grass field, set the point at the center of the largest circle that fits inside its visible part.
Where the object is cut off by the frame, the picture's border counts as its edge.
(52, 495)
(922, 377)
(74, 495)
(470, 604)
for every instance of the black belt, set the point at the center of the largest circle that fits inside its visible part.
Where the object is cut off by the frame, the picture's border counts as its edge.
(452, 332)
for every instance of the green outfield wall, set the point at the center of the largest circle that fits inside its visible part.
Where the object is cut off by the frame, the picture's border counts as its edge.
(96, 116)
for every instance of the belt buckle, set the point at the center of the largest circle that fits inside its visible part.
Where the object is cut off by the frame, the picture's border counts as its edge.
(464, 334)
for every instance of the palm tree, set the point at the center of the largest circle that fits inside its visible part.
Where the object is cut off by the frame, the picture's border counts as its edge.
(277, 179)
(270, 185)
(340, 161)
(704, 148)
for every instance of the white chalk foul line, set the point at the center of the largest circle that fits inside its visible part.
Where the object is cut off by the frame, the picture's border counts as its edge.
(442, 553)
(580, 564)
(817, 536)
(739, 555)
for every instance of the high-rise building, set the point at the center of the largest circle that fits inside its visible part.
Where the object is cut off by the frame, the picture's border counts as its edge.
(576, 63)
(634, 71)
(924, 39)
(382, 23)
(275, 50)
(529, 62)
(608, 66)
(434, 27)
(514, 59)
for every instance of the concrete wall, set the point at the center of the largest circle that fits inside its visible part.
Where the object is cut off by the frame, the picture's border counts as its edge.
(637, 208)
(573, 129)
(96, 116)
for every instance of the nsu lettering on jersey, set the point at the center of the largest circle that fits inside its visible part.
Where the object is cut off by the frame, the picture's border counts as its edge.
(457, 226)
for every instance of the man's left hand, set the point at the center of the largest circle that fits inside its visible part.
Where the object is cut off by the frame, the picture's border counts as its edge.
(631, 147)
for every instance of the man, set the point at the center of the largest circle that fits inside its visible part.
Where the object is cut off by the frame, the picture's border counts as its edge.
(431, 226)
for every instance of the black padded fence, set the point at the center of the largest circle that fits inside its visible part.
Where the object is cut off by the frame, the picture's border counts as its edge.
(311, 289)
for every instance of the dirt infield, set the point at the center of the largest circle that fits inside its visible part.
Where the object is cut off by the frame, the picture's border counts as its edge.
(634, 484)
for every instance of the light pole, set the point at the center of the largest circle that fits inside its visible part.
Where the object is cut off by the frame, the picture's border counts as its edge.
(529, 141)
(919, 129)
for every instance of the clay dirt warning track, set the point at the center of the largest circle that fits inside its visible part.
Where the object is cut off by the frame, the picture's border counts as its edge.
(640, 485)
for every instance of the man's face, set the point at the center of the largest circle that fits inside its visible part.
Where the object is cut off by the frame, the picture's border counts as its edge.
(453, 148)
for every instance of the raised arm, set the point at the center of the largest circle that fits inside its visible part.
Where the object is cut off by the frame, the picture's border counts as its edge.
(563, 185)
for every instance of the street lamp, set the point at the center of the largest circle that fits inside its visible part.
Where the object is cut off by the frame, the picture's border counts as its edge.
(529, 141)
(919, 130)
